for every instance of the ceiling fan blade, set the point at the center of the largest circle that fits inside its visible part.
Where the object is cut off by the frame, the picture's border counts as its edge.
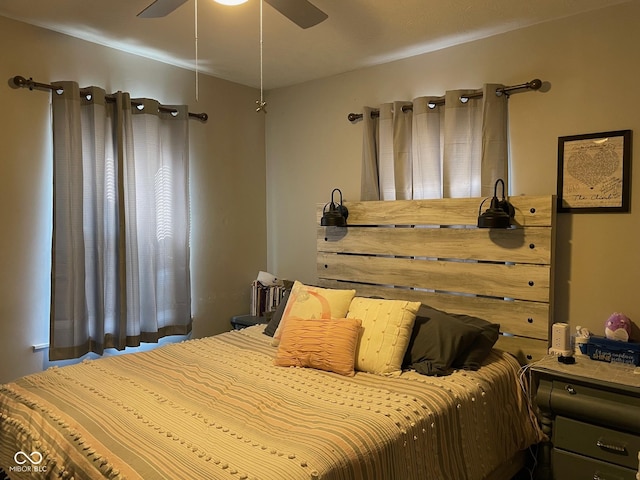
(160, 8)
(301, 12)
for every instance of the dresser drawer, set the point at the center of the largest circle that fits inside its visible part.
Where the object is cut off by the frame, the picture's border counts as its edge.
(597, 442)
(596, 405)
(569, 466)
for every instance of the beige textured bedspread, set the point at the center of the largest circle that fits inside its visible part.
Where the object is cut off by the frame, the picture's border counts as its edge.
(217, 408)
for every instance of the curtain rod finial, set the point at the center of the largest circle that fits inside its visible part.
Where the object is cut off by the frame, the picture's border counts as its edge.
(19, 81)
(535, 84)
(203, 117)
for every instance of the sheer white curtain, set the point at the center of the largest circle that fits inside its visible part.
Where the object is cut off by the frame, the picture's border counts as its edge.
(455, 149)
(120, 257)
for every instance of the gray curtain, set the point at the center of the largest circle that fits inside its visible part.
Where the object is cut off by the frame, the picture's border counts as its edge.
(370, 179)
(120, 256)
(453, 150)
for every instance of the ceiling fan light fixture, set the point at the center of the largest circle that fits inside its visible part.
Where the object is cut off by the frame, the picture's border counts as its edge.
(230, 2)
(301, 12)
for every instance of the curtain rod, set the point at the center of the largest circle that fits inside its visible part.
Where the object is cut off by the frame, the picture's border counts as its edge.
(534, 84)
(20, 81)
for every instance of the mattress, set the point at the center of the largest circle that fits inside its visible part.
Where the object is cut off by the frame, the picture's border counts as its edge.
(217, 408)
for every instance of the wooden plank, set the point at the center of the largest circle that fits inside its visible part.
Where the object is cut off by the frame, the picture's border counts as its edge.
(522, 282)
(526, 350)
(529, 211)
(531, 245)
(522, 318)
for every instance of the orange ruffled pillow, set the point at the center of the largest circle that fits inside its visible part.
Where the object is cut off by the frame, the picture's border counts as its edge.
(325, 344)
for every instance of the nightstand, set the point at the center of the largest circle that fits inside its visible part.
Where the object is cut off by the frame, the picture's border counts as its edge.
(242, 321)
(591, 412)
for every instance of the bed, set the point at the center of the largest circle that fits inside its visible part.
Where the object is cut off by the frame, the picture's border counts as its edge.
(219, 408)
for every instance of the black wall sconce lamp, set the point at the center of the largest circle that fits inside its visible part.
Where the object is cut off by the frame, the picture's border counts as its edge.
(336, 214)
(499, 214)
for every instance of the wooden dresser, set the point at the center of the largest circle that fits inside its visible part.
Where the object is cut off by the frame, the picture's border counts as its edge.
(591, 412)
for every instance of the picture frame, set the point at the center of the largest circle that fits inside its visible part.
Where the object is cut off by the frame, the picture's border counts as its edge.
(594, 172)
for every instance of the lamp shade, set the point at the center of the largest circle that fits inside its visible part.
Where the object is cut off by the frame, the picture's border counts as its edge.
(494, 217)
(334, 214)
(499, 214)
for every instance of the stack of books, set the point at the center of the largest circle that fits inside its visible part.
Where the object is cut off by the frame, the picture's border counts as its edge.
(265, 298)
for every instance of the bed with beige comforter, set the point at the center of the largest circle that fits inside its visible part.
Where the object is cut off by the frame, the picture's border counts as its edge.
(217, 408)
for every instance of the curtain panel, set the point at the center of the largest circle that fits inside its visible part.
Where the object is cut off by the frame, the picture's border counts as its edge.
(120, 247)
(453, 149)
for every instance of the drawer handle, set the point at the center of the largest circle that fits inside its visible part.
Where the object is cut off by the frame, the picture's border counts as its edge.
(611, 446)
(570, 389)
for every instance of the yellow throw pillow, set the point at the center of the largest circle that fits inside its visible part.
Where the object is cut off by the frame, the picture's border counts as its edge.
(386, 331)
(314, 303)
(328, 345)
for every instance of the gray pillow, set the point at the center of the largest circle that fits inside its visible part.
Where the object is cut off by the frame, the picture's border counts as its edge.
(441, 341)
(272, 326)
(473, 356)
(436, 341)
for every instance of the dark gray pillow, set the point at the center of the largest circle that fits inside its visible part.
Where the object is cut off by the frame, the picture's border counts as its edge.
(473, 356)
(436, 341)
(272, 326)
(441, 341)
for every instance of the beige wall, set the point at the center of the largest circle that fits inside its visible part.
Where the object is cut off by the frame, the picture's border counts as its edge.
(592, 64)
(227, 172)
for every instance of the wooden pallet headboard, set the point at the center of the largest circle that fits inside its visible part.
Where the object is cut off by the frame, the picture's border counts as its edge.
(431, 251)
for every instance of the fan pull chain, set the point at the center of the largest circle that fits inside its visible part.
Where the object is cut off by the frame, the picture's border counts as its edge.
(261, 103)
(196, 46)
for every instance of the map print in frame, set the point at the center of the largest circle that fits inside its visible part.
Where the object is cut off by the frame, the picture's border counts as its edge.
(594, 172)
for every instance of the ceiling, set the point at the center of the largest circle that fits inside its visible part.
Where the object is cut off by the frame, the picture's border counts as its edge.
(358, 33)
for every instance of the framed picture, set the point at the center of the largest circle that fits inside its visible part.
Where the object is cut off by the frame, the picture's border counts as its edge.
(594, 172)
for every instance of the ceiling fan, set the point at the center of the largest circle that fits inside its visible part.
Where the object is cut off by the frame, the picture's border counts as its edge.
(301, 12)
